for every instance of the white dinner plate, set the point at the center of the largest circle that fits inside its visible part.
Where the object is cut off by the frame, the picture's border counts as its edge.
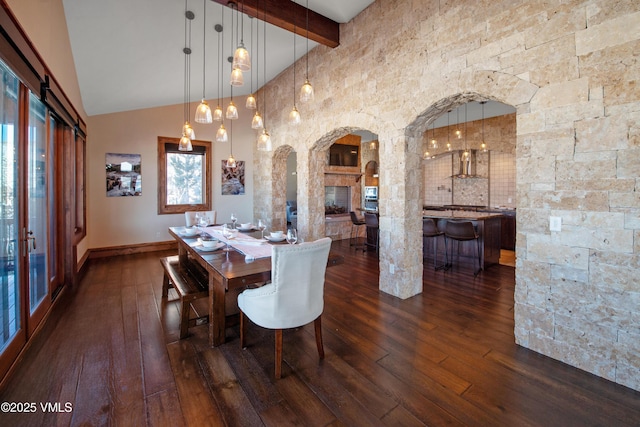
(246, 229)
(183, 234)
(211, 249)
(275, 239)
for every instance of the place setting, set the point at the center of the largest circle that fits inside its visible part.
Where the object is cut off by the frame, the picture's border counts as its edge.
(208, 245)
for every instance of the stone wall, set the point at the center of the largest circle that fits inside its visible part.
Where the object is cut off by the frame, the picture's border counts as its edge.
(570, 68)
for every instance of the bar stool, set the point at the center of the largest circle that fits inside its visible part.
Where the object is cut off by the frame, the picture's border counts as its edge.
(371, 221)
(430, 231)
(462, 231)
(355, 223)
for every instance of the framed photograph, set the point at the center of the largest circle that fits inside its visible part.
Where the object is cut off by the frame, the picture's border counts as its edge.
(233, 179)
(123, 174)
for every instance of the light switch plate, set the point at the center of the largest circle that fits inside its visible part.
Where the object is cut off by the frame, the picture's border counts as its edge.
(555, 223)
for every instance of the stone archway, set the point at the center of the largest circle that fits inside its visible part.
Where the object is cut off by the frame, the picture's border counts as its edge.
(313, 209)
(400, 267)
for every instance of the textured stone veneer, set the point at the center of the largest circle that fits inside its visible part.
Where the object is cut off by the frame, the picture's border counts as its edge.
(571, 70)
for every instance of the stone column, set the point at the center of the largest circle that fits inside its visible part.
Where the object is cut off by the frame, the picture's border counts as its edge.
(400, 214)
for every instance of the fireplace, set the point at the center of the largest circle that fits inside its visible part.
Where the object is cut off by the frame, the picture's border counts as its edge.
(337, 200)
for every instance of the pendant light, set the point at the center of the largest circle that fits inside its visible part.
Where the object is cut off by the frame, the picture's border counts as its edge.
(434, 143)
(294, 115)
(465, 153)
(187, 131)
(256, 121)
(232, 110)
(458, 133)
(241, 59)
(203, 111)
(236, 72)
(264, 140)
(306, 92)
(217, 112)
(250, 104)
(483, 145)
(231, 161)
(221, 134)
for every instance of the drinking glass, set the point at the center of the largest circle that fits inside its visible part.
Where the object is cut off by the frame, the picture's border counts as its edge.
(227, 233)
(261, 226)
(202, 220)
(234, 218)
(292, 236)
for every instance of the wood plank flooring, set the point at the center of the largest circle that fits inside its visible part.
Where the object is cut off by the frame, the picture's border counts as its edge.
(445, 357)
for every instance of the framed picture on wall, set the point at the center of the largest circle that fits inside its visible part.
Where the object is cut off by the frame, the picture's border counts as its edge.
(123, 174)
(233, 179)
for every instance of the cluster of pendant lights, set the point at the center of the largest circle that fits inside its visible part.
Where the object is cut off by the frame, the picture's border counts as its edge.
(458, 134)
(241, 63)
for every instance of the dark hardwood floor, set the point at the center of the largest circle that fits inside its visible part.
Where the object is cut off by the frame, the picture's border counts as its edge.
(445, 357)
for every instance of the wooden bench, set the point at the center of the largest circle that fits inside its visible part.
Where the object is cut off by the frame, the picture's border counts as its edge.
(189, 287)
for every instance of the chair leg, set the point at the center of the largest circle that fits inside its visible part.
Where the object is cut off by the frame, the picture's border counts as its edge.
(351, 235)
(318, 327)
(447, 264)
(478, 256)
(278, 356)
(243, 328)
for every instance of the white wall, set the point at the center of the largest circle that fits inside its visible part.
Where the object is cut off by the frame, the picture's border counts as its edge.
(115, 221)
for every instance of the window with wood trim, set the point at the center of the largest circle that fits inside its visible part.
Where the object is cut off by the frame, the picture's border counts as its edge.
(184, 177)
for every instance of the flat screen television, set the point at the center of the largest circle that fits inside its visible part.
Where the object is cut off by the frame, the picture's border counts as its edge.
(344, 155)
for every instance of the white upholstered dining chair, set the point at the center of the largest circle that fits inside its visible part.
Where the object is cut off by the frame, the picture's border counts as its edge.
(295, 296)
(190, 217)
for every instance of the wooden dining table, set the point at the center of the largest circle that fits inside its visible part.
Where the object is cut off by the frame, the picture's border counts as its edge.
(224, 271)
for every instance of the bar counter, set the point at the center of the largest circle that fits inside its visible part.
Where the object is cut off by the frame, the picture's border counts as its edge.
(487, 225)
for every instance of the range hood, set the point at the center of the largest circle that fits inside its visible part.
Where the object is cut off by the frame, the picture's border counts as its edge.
(466, 164)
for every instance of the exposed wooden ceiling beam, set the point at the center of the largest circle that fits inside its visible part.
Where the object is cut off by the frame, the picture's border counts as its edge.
(284, 13)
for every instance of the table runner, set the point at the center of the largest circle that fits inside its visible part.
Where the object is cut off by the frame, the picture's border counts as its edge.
(247, 245)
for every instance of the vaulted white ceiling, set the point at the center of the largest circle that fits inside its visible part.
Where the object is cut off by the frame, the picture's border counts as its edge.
(128, 53)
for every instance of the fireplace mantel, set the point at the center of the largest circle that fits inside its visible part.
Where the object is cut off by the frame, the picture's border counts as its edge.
(341, 171)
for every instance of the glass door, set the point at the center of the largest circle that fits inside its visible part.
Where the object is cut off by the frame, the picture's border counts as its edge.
(12, 335)
(35, 232)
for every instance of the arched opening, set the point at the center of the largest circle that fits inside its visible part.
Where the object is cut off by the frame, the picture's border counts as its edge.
(280, 183)
(337, 174)
(469, 165)
(292, 190)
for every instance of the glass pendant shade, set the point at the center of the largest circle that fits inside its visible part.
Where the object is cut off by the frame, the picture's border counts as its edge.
(483, 147)
(426, 154)
(372, 145)
(434, 143)
(236, 77)
(221, 135)
(251, 102)
(264, 141)
(217, 114)
(256, 122)
(185, 144)
(241, 58)
(231, 162)
(232, 111)
(448, 146)
(294, 116)
(187, 130)
(203, 113)
(306, 92)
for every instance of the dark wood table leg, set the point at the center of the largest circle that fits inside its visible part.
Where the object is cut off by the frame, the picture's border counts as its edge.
(216, 310)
